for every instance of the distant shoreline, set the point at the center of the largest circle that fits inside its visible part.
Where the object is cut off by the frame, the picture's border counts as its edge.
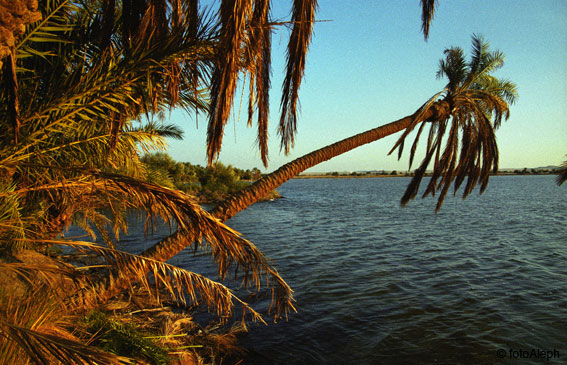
(322, 176)
(370, 175)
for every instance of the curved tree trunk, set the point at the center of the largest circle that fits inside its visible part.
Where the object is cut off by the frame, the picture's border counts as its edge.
(253, 193)
(170, 246)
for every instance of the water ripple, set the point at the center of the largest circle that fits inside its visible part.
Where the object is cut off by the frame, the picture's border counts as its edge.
(376, 283)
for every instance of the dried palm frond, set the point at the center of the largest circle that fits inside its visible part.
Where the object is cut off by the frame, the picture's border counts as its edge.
(31, 318)
(181, 284)
(258, 53)
(44, 348)
(232, 17)
(48, 275)
(230, 252)
(303, 17)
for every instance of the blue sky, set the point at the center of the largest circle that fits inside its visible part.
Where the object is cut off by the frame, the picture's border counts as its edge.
(369, 65)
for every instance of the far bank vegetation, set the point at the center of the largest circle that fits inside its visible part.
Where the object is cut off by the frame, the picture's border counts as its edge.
(209, 184)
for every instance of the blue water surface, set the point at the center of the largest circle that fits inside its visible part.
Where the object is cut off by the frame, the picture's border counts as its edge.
(377, 283)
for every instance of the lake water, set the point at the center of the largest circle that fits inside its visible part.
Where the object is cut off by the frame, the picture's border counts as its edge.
(375, 283)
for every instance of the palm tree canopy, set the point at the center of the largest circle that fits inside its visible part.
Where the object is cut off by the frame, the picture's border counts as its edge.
(461, 142)
(93, 82)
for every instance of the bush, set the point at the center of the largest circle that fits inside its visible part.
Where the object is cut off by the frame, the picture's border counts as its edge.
(123, 339)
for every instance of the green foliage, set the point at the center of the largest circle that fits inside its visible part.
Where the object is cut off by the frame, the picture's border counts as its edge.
(562, 174)
(218, 180)
(123, 339)
(210, 184)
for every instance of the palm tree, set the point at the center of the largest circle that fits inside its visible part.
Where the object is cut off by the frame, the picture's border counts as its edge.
(468, 109)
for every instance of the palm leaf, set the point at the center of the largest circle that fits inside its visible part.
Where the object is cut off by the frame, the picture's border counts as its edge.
(182, 285)
(44, 348)
(427, 13)
(463, 118)
(303, 17)
(232, 16)
(230, 251)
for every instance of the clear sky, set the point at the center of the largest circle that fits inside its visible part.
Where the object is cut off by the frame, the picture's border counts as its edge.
(369, 65)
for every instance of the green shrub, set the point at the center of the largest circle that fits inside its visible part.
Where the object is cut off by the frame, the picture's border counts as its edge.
(123, 339)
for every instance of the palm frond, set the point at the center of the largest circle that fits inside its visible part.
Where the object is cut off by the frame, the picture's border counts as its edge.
(44, 348)
(230, 251)
(32, 312)
(182, 285)
(258, 49)
(49, 274)
(424, 113)
(453, 67)
(303, 17)
(232, 16)
(427, 14)
(49, 25)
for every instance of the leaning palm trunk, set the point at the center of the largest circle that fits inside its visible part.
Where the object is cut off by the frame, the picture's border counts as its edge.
(170, 246)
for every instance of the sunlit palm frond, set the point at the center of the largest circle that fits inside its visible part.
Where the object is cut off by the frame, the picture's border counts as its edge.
(232, 18)
(49, 274)
(244, 257)
(32, 311)
(90, 87)
(182, 285)
(47, 26)
(13, 223)
(44, 348)
(258, 54)
(303, 18)
(230, 251)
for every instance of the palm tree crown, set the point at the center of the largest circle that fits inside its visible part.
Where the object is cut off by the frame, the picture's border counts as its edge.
(461, 141)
